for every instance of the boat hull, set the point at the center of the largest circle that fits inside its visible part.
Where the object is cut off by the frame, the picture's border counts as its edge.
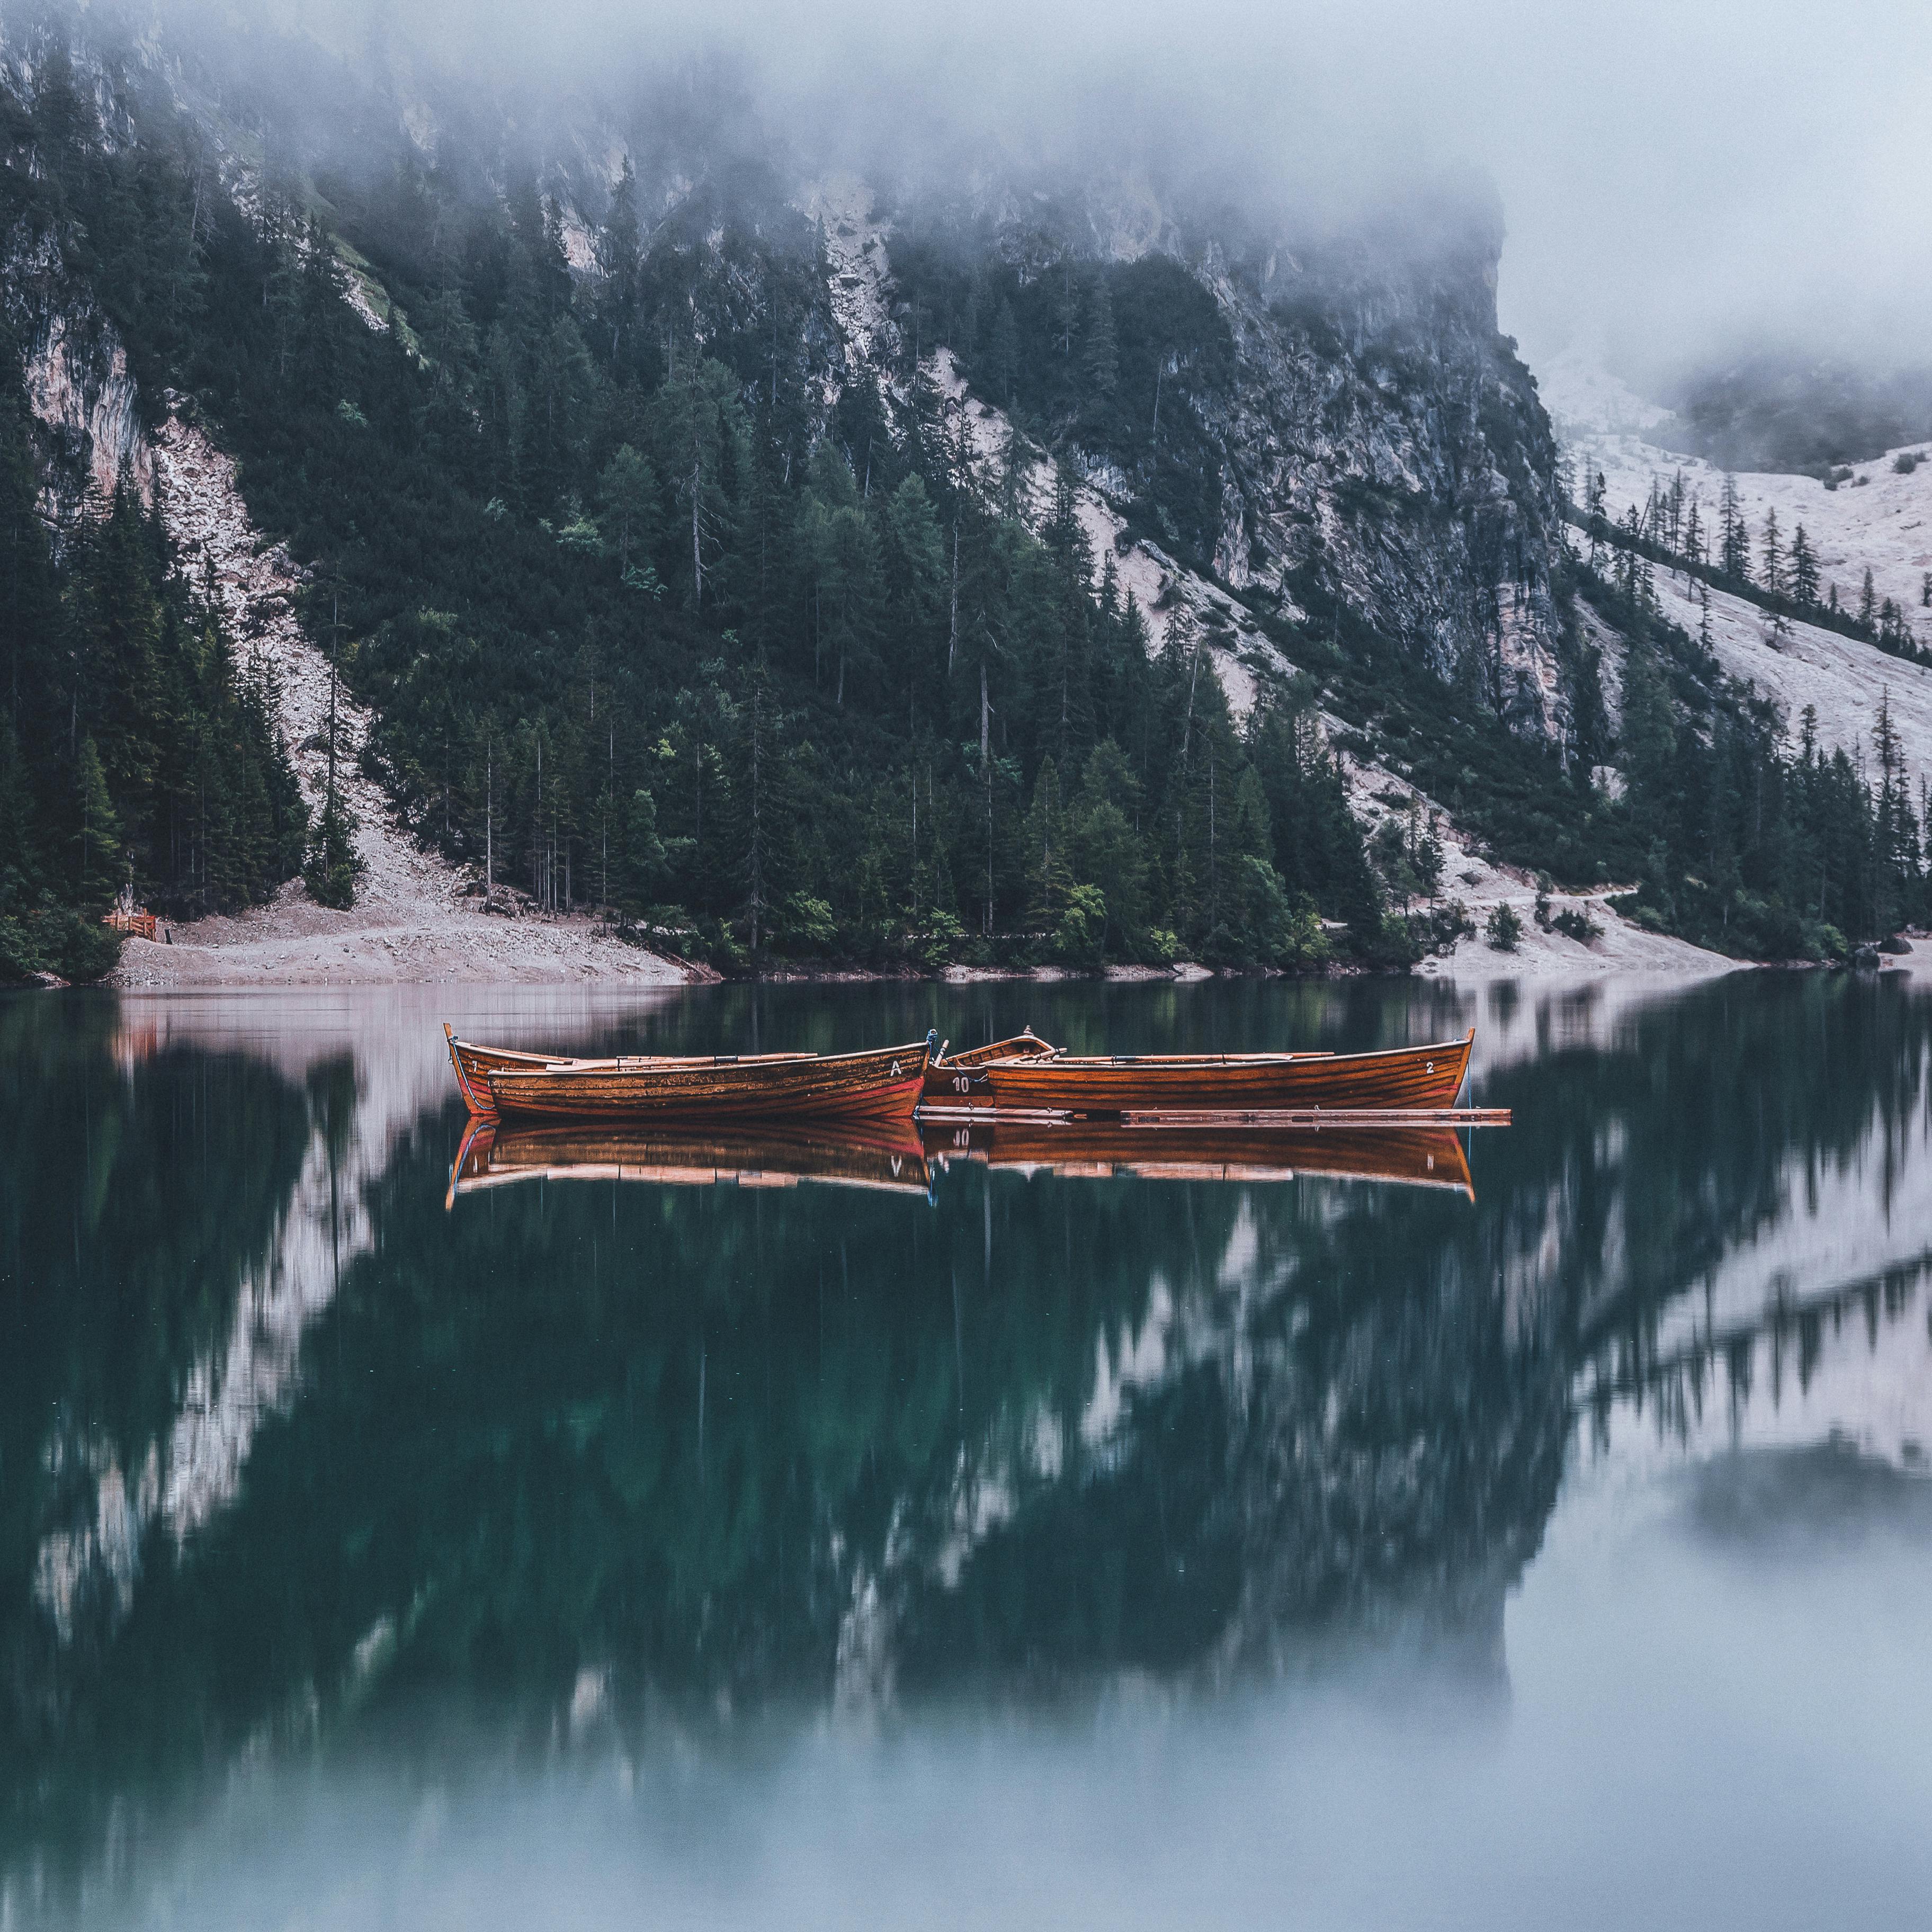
(1409, 1079)
(474, 1064)
(882, 1084)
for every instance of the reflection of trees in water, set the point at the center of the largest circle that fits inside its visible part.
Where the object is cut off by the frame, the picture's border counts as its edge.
(1787, 1122)
(1054, 1427)
(144, 1204)
(1731, 1381)
(1083, 1016)
(135, 1194)
(727, 1444)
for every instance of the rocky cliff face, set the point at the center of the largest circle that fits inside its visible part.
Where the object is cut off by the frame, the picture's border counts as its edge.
(1363, 435)
(1363, 451)
(1382, 438)
(75, 370)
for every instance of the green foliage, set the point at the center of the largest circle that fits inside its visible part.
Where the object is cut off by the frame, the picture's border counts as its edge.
(1748, 847)
(1078, 939)
(806, 925)
(1575, 923)
(134, 752)
(638, 613)
(96, 838)
(334, 865)
(1503, 928)
(1443, 926)
(1127, 358)
(71, 945)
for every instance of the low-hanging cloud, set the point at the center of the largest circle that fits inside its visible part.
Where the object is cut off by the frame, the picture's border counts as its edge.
(1679, 180)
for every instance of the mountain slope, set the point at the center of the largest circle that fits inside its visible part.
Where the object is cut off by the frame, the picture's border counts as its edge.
(897, 571)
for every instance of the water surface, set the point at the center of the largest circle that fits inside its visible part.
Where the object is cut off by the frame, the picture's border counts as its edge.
(1021, 1540)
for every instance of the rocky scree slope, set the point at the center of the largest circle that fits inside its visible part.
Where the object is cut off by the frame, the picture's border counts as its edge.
(416, 916)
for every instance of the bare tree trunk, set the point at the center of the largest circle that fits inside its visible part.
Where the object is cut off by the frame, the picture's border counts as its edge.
(697, 533)
(986, 773)
(757, 871)
(953, 631)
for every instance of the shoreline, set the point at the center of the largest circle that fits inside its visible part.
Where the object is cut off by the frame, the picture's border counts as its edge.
(295, 943)
(575, 950)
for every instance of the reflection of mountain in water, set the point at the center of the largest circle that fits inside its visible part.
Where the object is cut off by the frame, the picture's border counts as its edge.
(723, 1445)
(1809, 1322)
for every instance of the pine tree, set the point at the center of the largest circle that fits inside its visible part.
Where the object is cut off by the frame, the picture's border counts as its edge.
(1049, 875)
(97, 864)
(1100, 352)
(1003, 354)
(1867, 617)
(1803, 570)
(1772, 554)
(1735, 554)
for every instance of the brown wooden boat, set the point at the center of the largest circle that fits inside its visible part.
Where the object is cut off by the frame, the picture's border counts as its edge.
(881, 1083)
(474, 1065)
(1407, 1079)
(1098, 1150)
(885, 1153)
(959, 1079)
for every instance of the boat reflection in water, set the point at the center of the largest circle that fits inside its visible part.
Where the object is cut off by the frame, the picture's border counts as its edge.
(899, 1156)
(1411, 1156)
(885, 1153)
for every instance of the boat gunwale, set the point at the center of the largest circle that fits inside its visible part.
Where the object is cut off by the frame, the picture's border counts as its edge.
(577, 1068)
(1101, 1062)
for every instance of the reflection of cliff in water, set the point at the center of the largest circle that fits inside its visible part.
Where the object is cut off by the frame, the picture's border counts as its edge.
(809, 1444)
(710, 1448)
(1795, 1310)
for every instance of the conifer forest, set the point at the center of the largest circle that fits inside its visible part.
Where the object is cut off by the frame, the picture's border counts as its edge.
(654, 619)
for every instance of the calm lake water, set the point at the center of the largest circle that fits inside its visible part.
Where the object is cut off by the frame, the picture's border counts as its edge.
(989, 1534)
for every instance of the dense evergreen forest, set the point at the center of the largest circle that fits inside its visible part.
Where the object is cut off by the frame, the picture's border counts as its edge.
(643, 628)
(137, 750)
(138, 747)
(1749, 844)
(661, 608)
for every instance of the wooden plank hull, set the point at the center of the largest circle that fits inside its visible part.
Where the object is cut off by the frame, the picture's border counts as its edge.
(474, 1065)
(1407, 1156)
(885, 1154)
(882, 1083)
(959, 1078)
(1410, 1077)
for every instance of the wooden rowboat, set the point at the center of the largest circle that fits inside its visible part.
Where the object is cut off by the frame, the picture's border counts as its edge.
(1406, 1079)
(1409, 1156)
(474, 1065)
(885, 1154)
(880, 1084)
(954, 1079)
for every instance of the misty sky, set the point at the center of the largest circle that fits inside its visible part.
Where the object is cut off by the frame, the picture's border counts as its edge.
(1678, 178)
